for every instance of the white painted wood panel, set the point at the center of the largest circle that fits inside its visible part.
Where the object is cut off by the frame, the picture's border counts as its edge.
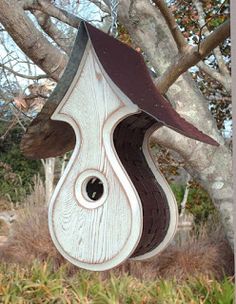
(102, 234)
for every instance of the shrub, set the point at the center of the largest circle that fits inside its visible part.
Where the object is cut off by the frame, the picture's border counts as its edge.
(16, 172)
(30, 240)
(199, 203)
(40, 283)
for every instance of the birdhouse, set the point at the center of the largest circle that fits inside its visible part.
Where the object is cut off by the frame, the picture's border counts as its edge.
(112, 203)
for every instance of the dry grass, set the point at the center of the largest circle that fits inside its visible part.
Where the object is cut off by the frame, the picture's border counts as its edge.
(206, 253)
(4, 204)
(4, 228)
(37, 196)
(209, 254)
(29, 238)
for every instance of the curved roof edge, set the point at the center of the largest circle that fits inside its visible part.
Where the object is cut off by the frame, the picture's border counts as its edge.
(126, 68)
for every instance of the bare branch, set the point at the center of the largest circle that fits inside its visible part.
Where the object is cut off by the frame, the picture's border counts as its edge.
(17, 115)
(101, 6)
(5, 96)
(216, 75)
(19, 110)
(185, 198)
(192, 56)
(12, 124)
(53, 11)
(58, 36)
(37, 77)
(226, 99)
(217, 52)
(173, 26)
(32, 42)
(107, 2)
(43, 163)
(8, 62)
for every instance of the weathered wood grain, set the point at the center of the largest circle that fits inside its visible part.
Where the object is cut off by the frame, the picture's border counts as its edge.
(94, 235)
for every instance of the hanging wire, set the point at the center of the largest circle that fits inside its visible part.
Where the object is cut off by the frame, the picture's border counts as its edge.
(114, 12)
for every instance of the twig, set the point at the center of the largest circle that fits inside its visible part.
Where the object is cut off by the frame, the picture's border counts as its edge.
(18, 119)
(206, 22)
(30, 118)
(12, 124)
(43, 163)
(215, 75)
(226, 99)
(185, 198)
(58, 36)
(192, 56)
(31, 40)
(37, 77)
(53, 11)
(217, 52)
(101, 6)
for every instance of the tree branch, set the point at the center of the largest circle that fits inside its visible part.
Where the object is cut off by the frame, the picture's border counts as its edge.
(43, 163)
(107, 2)
(185, 198)
(192, 55)
(37, 77)
(101, 6)
(5, 96)
(58, 36)
(216, 75)
(173, 26)
(10, 126)
(51, 10)
(223, 76)
(32, 42)
(18, 119)
(217, 52)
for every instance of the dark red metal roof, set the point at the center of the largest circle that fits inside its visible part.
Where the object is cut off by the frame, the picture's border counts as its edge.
(128, 71)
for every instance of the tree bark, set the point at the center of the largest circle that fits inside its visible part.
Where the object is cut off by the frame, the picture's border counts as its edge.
(209, 165)
(30, 40)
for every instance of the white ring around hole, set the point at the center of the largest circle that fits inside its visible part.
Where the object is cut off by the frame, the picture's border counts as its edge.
(80, 189)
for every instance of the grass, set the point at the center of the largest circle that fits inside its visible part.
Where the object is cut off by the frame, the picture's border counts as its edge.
(199, 271)
(29, 240)
(40, 283)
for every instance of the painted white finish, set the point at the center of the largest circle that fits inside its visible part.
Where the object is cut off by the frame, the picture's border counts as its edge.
(80, 189)
(102, 234)
(170, 198)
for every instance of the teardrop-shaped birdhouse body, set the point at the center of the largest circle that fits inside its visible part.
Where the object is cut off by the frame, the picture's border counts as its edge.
(112, 202)
(95, 214)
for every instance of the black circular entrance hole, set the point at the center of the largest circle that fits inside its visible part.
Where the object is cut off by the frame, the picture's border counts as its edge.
(94, 188)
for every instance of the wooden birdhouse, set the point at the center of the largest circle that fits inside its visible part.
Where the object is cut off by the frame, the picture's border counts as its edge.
(112, 202)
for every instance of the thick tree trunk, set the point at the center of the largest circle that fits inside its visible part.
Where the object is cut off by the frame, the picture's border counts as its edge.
(32, 42)
(209, 165)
